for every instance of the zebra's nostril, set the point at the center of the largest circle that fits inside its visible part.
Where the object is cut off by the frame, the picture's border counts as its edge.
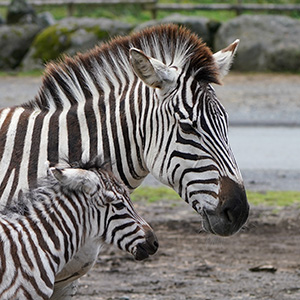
(156, 244)
(229, 216)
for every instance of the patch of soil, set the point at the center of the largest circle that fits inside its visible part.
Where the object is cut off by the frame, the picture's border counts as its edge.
(260, 262)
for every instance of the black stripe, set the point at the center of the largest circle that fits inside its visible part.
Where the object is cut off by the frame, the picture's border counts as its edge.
(214, 181)
(194, 170)
(74, 135)
(120, 227)
(133, 232)
(40, 238)
(131, 242)
(167, 148)
(4, 129)
(34, 151)
(53, 134)
(116, 144)
(3, 259)
(206, 192)
(135, 125)
(62, 82)
(17, 154)
(47, 227)
(125, 132)
(92, 128)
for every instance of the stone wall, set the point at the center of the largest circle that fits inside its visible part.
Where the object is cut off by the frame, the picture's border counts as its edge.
(28, 41)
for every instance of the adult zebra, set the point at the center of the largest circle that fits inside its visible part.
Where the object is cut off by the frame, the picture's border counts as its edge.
(144, 103)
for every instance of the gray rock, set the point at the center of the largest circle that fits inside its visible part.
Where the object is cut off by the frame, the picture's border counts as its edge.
(45, 19)
(70, 36)
(15, 41)
(20, 11)
(268, 42)
(203, 27)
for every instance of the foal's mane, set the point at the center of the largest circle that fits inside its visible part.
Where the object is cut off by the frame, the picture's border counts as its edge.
(171, 44)
(48, 184)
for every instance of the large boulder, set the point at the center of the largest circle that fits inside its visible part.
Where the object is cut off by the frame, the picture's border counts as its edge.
(203, 27)
(15, 41)
(268, 42)
(20, 11)
(70, 36)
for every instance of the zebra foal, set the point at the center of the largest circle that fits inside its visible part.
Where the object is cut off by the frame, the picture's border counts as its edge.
(53, 234)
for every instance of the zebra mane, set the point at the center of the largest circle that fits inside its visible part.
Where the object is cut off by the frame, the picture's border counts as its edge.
(48, 185)
(72, 77)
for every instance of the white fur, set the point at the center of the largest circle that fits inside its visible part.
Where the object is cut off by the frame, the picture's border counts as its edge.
(224, 58)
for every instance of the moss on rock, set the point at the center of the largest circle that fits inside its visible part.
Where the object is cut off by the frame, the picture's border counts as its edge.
(72, 35)
(51, 42)
(97, 31)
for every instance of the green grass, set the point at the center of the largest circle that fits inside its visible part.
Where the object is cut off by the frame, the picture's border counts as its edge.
(32, 73)
(271, 198)
(133, 13)
(153, 194)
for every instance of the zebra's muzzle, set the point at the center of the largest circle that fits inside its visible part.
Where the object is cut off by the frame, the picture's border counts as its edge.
(149, 247)
(232, 211)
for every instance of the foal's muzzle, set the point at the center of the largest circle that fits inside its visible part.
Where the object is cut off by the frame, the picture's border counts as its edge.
(148, 247)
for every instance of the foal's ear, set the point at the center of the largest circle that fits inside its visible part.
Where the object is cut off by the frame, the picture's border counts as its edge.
(57, 174)
(76, 179)
(151, 71)
(224, 58)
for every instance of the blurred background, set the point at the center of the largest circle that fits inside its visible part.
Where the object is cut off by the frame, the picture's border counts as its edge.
(262, 97)
(261, 94)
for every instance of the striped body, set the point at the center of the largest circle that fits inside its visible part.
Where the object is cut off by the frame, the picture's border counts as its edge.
(143, 103)
(53, 234)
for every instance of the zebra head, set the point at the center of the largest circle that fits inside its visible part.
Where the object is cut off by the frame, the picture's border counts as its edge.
(187, 129)
(120, 225)
(124, 227)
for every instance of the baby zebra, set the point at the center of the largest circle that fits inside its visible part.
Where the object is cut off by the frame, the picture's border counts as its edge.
(53, 234)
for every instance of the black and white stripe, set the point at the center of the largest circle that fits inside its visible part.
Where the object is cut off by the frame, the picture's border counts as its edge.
(52, 235)
(145, 104)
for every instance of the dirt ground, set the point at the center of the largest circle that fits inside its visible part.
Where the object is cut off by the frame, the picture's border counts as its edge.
(260, 262)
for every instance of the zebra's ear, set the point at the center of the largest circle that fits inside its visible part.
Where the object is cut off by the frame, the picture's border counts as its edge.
(151, 71)
(224, 58)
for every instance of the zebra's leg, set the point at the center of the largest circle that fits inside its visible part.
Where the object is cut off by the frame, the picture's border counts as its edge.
(65, 292)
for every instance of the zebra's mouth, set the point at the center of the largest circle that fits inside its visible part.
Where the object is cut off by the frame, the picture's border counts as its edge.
(206, 222)
(221, 224)
(141, 252)
(149, 247)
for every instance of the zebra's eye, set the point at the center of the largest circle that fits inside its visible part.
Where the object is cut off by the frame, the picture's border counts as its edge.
(187, 126)
(119, 205)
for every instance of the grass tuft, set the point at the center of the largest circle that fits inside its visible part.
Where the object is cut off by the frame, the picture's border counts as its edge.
(274, 198)
(270, 198)
(153, 194)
